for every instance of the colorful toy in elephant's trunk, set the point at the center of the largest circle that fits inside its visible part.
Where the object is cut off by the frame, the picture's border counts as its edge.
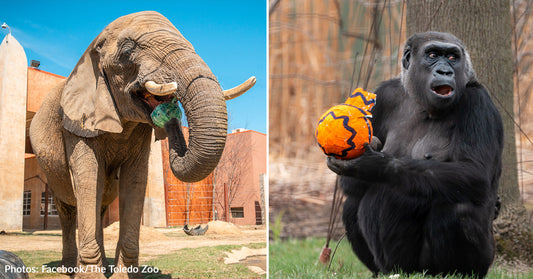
(344, 129)
(164, 112)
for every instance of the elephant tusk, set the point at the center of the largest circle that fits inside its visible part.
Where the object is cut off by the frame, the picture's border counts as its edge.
(239, 90)
(161, 89)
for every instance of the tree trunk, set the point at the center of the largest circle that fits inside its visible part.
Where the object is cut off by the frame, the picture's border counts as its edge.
(485, 28)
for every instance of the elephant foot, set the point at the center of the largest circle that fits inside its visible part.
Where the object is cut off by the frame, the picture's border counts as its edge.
(66, 266)
(88, 275)
(121, 275)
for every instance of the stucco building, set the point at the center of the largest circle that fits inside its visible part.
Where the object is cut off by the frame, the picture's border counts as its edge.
(234, 192)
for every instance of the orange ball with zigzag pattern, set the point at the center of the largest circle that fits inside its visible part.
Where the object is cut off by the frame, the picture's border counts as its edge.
(344, 129)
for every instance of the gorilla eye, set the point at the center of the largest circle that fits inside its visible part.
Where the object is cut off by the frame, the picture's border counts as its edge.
(452, 58)
(433, 55)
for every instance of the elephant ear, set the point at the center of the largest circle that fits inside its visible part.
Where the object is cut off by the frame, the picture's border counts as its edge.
(88, 106)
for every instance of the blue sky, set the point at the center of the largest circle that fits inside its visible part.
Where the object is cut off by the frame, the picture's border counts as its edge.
(230, 36)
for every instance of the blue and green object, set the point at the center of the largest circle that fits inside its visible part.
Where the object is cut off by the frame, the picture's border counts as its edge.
(166, 111)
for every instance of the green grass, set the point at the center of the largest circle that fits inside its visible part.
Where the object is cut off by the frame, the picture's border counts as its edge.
(299, 259)
(203, 262)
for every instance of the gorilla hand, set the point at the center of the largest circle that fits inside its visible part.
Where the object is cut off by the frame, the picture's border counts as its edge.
(376, 143)
(368, 166)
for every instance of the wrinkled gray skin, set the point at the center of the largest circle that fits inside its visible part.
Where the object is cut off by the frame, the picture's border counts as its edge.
(95, 127)
(12, 267)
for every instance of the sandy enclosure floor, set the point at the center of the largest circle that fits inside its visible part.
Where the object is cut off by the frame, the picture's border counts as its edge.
(160, 241)
(153, 241)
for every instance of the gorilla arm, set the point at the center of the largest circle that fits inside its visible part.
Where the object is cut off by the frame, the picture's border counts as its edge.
(452, 181)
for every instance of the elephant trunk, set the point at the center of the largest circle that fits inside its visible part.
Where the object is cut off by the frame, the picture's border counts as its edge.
(205, 108)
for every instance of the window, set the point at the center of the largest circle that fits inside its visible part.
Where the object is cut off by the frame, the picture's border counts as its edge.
(26, 203)
(237, 212)
(51, 205)
(258, 214)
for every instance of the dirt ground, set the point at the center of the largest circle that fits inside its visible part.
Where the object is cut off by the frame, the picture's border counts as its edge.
(153, 241)
(301, 191)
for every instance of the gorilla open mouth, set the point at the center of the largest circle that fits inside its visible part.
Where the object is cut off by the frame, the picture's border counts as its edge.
(443, 90)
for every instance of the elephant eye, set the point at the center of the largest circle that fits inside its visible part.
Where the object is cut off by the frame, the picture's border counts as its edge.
(126, 48)
(127, 52)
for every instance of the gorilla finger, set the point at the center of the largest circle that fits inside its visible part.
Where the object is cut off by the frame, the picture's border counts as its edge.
(368, 148)
(370, 151)
(376, 143)
(336, 165)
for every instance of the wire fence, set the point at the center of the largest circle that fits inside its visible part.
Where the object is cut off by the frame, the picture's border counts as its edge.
(201, 203)
(319, 51)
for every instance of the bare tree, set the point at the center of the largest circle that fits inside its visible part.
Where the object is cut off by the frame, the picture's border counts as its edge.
(231, 169)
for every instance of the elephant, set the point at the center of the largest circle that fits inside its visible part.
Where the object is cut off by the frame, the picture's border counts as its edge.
(92, 134)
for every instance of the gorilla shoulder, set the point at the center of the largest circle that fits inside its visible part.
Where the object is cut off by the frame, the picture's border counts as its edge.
(392, 90)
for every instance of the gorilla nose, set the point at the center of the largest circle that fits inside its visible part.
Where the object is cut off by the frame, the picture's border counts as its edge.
(444, 71)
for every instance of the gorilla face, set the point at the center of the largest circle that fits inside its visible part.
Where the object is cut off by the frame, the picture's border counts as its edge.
(441, 66)
(435, 70)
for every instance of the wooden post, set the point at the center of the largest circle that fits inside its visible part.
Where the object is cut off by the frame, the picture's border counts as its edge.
(188, 208)
(213, 196)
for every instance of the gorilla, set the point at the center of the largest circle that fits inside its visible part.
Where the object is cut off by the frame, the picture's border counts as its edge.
(425, 201)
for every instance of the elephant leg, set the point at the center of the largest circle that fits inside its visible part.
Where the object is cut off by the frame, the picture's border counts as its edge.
(100, 237)
(89, 226)
(88, 177)
(132, 188)
(67, 218)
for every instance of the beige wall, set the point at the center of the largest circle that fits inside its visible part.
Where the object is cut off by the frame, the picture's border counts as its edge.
(13, 81)
(154, 213)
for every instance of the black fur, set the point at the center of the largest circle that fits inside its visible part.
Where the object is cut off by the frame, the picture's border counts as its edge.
(426, 201)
